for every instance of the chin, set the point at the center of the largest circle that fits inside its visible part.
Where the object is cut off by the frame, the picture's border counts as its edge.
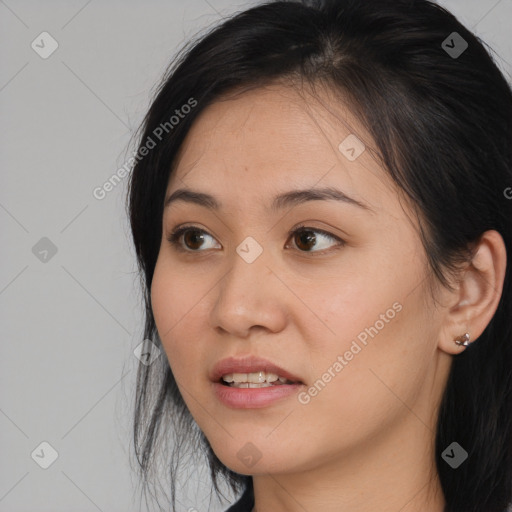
(249, 460)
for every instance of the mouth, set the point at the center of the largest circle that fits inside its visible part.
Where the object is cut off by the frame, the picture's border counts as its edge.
(260, 379)
(251, 372)
(252, 383)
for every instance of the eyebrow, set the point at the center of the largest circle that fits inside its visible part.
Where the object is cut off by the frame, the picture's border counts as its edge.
(281, 201)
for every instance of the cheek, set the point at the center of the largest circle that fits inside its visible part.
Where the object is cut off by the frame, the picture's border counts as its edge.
(368, 282)
(163, 301)
(172, 302)
(179, 299)
(376, 361)
(358, 306)
(175, 296)
(381, 337)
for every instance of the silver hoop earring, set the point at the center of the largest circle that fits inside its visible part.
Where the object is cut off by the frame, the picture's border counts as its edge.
(463, 340)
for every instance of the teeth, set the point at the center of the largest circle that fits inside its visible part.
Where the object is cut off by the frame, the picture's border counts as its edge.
(253, 378)
(250, 385)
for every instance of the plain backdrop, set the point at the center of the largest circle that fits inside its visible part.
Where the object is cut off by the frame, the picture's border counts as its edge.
(69, 298)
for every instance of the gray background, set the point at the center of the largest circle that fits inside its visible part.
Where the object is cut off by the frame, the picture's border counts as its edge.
(70, 323)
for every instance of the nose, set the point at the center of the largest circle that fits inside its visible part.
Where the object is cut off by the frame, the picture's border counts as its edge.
(249, 297)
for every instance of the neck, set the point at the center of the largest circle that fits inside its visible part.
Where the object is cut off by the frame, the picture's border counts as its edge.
(385, 476)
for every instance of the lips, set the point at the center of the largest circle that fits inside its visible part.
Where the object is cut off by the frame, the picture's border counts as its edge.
(249, 364)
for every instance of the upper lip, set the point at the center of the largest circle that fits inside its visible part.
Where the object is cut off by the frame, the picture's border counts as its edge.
(249, 364)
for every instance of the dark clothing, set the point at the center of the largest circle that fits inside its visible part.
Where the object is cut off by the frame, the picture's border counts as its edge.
(246, 502)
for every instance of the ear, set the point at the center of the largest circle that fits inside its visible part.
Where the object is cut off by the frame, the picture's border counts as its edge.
(476, 294)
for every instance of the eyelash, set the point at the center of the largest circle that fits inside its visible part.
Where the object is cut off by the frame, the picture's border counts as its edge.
(175, 235)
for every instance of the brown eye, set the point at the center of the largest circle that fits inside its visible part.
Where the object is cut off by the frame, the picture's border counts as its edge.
(308, 238)
(305, 239)
(193, 239)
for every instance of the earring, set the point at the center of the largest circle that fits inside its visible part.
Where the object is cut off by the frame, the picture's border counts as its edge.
(463, 340)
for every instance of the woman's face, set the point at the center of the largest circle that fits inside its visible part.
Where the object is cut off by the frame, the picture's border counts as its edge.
(344, 305)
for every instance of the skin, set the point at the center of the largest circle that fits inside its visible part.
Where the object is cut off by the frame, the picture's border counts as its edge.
(365, 442)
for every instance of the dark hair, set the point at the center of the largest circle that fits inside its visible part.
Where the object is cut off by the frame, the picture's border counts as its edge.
(442, 126)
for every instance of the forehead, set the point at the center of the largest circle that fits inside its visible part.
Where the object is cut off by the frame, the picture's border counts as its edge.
(264, 140)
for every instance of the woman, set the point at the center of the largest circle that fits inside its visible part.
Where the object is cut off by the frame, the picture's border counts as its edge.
(322, 217)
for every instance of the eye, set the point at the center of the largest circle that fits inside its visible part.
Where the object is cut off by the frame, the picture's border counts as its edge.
(192, 236)
(304, 238)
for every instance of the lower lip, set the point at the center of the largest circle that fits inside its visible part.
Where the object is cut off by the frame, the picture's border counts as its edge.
(253, 398)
